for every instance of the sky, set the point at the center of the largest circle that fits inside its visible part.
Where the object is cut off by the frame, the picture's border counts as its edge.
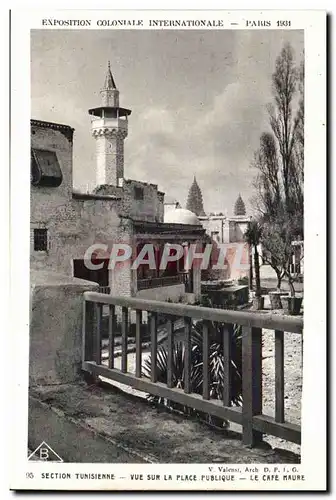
(198, 101)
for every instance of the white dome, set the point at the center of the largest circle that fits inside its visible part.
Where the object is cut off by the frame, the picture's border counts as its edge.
(181, 216)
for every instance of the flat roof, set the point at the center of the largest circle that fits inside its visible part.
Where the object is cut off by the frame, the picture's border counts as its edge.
(44, 124)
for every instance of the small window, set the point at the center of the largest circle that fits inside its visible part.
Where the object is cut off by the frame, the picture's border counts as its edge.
(40, 240)
(138, 193)
(45, 168)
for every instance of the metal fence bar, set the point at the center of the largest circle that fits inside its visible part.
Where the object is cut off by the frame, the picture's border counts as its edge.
(111, 332)
(153, 334)
(138, 346)
(279, 376)
(187, 355)
(252, 383)
(170, 346)
(124, 335)
(206, 367)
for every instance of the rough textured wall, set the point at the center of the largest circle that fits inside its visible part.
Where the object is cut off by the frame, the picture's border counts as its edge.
(73, 225)
(175, 293)
(55, 327)
(58, 141)
(150, 208)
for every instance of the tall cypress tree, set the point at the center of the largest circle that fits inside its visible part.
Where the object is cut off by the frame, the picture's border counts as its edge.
(195, 199)
(239, 208)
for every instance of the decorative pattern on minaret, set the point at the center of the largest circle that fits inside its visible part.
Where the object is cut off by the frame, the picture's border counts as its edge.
(195, 199)
(239, 207)
(109, 127)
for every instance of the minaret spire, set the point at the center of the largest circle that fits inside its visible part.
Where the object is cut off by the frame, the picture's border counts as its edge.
(109, 93)
(109, 80)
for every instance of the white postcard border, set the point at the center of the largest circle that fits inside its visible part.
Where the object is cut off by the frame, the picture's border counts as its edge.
(314, 387)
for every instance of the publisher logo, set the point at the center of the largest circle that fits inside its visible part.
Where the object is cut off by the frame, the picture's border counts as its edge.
(44, 453)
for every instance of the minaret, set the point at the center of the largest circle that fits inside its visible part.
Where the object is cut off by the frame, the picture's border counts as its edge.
(109, 126)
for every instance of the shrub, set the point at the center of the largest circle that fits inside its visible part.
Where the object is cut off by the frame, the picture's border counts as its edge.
(196, 376)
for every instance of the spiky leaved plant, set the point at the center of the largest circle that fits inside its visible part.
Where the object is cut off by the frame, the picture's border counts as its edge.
(216, 373)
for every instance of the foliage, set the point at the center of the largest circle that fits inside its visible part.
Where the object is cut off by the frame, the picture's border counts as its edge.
(216, 372)
(253, 235)
(279, 162)
(195, 199)
(243, 280)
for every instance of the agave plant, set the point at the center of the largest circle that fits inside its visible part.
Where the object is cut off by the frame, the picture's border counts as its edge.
(216, 368)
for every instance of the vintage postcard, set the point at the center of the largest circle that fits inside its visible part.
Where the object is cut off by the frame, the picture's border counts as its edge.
(168, 188)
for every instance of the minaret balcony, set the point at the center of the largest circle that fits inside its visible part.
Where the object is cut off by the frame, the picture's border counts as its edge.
(109, 124)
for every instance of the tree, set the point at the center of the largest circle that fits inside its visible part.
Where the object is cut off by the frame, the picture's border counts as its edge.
(279, 162)
(195, 199)
(253, 237)
(277, 241)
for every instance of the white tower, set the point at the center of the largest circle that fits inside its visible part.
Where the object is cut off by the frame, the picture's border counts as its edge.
(109, 127)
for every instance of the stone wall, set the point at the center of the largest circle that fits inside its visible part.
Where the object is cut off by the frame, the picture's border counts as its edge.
(55, 347)
(175, 293)
(150, 208)
(73, 224)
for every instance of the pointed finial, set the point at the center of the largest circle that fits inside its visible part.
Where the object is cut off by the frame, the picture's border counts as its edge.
(109, 81)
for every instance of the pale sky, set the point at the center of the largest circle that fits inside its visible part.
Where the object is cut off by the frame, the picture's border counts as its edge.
(198, 101)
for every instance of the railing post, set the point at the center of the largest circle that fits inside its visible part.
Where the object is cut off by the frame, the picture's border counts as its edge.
(97, 333)
(252, 382)
(227, 332)
(170, 347)
(124, 335)
(88, 337)
(153, 335)
(87, 331)
(187, 355)
(112, 331)
(138, 346)
(279, 376)
(206, 364)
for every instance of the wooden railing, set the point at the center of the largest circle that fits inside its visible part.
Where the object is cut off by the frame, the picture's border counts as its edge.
(144, 284)
(250, 415)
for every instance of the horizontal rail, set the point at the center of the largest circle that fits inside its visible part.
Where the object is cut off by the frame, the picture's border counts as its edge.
(284, 430)
(244, 318)
(213, 406)
(144, 284)
(185, 388)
